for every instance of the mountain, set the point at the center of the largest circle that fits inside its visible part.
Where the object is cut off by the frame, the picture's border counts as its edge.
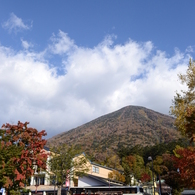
(129, 126)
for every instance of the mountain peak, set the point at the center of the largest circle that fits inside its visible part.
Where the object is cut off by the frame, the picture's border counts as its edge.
(129, 126)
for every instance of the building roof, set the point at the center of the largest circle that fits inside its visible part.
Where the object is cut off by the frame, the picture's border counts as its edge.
(188, 192)
(46, 148)
(106, 181)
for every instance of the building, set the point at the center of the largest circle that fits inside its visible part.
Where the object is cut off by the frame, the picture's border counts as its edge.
(40, 182)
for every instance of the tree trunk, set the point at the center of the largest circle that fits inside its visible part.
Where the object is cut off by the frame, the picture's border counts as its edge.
(59, 190)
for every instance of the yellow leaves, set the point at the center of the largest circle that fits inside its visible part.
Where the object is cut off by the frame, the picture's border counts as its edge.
(159, 166)
(114, 162)
(116, 175)
(110, 175)
(183, 107)
(175, 151)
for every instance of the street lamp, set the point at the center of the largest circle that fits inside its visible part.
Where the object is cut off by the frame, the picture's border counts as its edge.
(150, 159)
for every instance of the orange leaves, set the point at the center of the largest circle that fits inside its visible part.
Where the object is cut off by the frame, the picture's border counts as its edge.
(131, 160)
(2, 144)
(183, 107)
(8, 144)
(116, 175)
(21, 184)
(19, 177)
(8, 182)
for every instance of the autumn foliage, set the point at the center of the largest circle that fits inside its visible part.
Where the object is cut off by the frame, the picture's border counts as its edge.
(145, 177)
(117, 176)
(21, 148)
(185, 162)
(183, 109)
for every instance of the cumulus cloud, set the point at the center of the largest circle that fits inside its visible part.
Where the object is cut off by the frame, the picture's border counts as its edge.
(15, 24)
(97, 81)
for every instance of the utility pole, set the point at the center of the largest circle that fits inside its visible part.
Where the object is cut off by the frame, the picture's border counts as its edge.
(150, 159)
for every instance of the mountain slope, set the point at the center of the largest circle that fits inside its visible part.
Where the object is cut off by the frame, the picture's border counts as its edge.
(128, 126)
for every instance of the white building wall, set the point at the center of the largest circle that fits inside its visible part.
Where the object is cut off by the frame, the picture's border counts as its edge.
(32, 181)
(47, 179)
(85, 181)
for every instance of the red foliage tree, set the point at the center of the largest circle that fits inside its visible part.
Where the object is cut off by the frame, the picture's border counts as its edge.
(145, 177)
(24, 150)
(171, 175)
(185, 162)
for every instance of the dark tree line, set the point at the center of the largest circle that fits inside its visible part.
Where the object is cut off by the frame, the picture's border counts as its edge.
(154, 151)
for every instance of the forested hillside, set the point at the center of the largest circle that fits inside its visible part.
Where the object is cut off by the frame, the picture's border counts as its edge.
(127, 127)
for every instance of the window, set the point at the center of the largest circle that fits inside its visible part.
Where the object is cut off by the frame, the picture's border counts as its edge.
(42, 179)
(95, 169)
(39, 180)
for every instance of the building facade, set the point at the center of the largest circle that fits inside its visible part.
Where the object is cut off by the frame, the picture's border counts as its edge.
(41, 182)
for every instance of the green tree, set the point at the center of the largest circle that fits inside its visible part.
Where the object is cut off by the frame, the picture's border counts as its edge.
(159, 166)
(20, 148)
(133, 166)
(139, 168)
(67, 165)
(114, 162)
(183, 107)
(127, 172)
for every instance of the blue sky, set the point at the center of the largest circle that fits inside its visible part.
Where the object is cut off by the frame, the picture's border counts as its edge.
(64, 63)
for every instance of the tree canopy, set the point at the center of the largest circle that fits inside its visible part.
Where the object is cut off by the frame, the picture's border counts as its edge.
(116, 175)
(184, 160)
(183, 107)
(21, 148)
(67, 165)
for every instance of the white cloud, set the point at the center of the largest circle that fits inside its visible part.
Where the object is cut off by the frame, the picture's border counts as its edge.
(97, 81)
(26, 44)
(190, 49)
(15, 24)
(61, 44)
